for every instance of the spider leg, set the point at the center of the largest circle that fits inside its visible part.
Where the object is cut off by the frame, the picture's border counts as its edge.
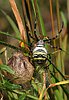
(50, 39)
(55, 68)
(57, 34)
(35, 24)
(31, 36)
(55, 47)
(29, 33)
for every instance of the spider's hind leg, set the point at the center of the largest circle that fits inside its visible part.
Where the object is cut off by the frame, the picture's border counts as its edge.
(49, 40)
(57, 34)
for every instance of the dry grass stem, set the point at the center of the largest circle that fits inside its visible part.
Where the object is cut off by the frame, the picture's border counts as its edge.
(18, 19)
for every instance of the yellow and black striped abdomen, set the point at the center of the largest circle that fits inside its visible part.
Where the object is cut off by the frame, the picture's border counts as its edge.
(39, 53)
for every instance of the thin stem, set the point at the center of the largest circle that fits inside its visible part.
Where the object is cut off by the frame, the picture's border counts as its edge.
(52, 20)
(60, 55)
(30, 14)
(43, 92)
(68, 9)
(18, 19)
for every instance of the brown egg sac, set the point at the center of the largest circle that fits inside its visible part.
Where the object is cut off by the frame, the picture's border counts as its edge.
(22, 67)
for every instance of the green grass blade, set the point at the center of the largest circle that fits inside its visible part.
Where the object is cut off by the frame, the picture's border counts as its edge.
(34, 85)
(40, 18)
(41, 21)
(58, 83)
(6, 68)
(28, 95)
(9, 45)
(15, 37)
(63, 19)
(64, 89)
(7, 34)
(12, 24)
(58, 95)
(22, 97)
(9, 86)
(32, 1)
(64, 43)
(32, 97)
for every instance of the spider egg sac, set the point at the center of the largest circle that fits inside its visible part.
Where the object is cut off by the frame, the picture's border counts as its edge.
(22, 67)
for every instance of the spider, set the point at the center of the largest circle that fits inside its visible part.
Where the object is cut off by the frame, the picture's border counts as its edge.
(40, 55)
(39, 52)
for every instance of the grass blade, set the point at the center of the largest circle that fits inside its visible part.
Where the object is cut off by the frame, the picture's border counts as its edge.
(41, 21)
(18, 19)
(59, 83)
(6, 68)
(9, 45)
(7, 34)
(12, 24)
(9, 86)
